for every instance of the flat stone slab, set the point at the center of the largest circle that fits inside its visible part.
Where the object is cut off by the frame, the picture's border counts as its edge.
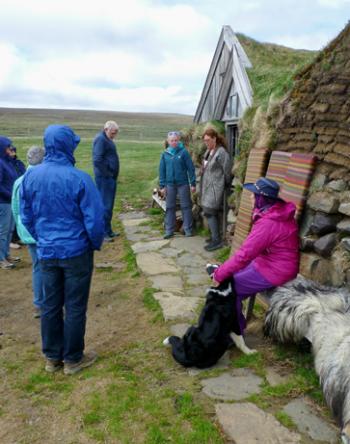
(308, 422)
(136, 237)
(115, 265)
(191, 260)
(222, 364)
(198, 291)
(176, 307)
(132, 215)
(196, 278)
(135, 222)
(167, 282)
(274, 378)
(245, 423)
(238, 385)
(179, 329)
(192, 245)
(153, 245)
(154, 263)
(170, 252)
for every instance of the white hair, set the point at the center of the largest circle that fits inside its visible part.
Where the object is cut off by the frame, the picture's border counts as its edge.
(111, 125)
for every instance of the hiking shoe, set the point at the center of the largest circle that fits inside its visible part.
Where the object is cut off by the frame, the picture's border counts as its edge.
(37, 313)
(168, 235)
(189, 234)
(53, 365)
(114, 234)
(70, 368)
(13, 259)
(211, 269)
(6, 265)
(214, 246)
(108, 239)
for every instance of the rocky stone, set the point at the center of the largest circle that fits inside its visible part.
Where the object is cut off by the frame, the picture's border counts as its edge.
(344, 208)
(238, 385)
(309, 422)
(167, 282)
(324, 223)
(315, 268)
(307, 220)
(322, 201)
(307, 243)
(336, 185)
(344, 226)
(340, 263)
(154, 264)
(141, 247)
(325, 244)
(345, 243)
(245, 423)
(177, 307)
(231, 218)
(318, 182)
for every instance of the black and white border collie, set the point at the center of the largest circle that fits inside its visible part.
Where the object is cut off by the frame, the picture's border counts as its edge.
(204, 344)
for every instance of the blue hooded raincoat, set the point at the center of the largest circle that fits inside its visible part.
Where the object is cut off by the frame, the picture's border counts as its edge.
(60, 205)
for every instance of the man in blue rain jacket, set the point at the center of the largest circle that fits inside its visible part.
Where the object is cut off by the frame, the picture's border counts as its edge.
(63, 211)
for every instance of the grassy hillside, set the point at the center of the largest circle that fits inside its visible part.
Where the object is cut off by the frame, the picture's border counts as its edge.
(274, 67)
(133, 126)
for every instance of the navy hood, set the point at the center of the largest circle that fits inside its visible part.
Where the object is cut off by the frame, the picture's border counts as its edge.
(60, 142)
(5, 143)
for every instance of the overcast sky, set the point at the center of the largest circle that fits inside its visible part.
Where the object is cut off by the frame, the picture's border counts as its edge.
(139, 55)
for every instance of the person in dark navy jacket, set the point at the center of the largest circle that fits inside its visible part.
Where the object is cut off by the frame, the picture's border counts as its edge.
(8, 175)
(62, 209)
(106, 169)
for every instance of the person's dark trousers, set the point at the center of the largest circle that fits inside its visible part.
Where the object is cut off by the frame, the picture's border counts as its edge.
(213, 219)
(66, 284)
(186, 208)
(107, 187)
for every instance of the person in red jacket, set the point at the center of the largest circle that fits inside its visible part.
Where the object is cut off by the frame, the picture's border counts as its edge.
(269, 256)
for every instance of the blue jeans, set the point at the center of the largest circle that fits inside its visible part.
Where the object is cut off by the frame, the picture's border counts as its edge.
(7, 225)
(38, 290)
(66, 284)
(186, 208)
(107, 187)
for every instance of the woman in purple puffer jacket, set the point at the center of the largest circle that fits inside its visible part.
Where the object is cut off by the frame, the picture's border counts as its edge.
(269, 256)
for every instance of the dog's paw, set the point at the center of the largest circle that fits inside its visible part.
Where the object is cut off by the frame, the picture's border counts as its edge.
(250, 351)
(166, 341)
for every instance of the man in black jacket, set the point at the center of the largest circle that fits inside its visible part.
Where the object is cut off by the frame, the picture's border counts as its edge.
(106, 169)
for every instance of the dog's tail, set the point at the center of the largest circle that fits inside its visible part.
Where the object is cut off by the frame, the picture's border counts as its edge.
(288, 318)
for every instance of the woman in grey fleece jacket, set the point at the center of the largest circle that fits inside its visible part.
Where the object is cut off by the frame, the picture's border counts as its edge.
(216, 176)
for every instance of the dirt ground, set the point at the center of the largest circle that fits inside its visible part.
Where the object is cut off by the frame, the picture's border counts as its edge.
(115, 308)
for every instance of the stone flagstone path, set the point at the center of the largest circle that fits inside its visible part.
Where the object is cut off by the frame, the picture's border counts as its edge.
(176, 269)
